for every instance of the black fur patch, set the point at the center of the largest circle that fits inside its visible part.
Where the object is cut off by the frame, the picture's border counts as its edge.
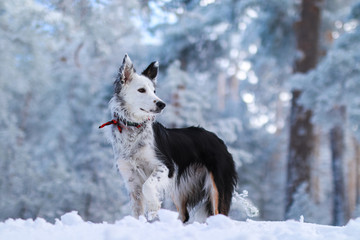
(194, 146)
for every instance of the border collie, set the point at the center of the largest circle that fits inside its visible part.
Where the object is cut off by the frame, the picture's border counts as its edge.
(191, 165)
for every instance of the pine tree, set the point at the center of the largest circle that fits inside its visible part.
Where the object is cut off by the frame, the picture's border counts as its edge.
(301, 129)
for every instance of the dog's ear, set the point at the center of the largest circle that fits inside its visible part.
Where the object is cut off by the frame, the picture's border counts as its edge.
(152, 71)
(126, 70)
(125, 75)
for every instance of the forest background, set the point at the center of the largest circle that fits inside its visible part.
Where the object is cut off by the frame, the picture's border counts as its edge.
(278, 80)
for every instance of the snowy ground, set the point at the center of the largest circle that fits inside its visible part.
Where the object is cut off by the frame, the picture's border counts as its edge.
(219, 227)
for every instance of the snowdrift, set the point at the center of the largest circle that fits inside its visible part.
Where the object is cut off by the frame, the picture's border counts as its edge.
(71, 226)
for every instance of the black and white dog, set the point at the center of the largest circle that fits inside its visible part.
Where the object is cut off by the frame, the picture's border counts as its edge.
(191, 164)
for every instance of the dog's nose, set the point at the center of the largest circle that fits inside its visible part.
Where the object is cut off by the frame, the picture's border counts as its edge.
(160, 105)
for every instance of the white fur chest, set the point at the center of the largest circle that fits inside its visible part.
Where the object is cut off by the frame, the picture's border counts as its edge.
(134, 151)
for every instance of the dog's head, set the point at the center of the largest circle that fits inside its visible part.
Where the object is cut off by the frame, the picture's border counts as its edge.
(134, 94)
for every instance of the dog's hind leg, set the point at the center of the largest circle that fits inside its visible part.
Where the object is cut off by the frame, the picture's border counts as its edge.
(211, 204)
(180, 204)
(214, 196)
(153, 189)
(183, 212)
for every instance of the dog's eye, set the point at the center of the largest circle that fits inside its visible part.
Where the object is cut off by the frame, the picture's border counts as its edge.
(154, 91)
(141, 90)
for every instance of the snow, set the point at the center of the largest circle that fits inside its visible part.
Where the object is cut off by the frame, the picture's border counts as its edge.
(71, 226)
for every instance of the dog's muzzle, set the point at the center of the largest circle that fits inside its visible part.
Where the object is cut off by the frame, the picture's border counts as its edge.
(160, 105)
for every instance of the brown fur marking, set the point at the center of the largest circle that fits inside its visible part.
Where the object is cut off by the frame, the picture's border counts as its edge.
(214, 196)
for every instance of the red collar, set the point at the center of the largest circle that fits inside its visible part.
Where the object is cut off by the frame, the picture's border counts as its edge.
(118, 124)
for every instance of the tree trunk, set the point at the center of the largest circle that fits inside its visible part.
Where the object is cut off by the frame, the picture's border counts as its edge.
(337, 139)
(316, 177)
(357, 152)
(301, 129)
(352, 174)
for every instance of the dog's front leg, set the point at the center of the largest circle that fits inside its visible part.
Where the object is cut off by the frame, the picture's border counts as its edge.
(136, 197)
(134, 182)
(153, 188)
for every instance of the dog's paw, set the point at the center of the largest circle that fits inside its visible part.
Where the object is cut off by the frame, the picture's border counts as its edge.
(152, 205)
(152, 216)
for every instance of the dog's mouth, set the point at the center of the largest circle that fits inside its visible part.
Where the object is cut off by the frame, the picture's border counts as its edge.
(151, 111)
